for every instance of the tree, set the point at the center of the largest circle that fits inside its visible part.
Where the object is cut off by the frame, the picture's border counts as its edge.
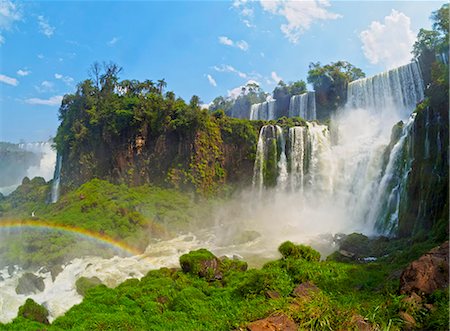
(161, 85)
(436, 40)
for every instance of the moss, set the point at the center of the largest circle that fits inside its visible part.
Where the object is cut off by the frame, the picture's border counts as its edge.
(83, 284)
(291, 250)
(33, 311)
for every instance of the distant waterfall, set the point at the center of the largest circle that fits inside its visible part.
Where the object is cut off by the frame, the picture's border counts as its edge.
(263, 111)
(400, 88)
(56, 180)
(303, 105)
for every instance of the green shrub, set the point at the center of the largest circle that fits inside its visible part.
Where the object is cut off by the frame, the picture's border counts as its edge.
(83, 284)
(33, 311)
(289, 249)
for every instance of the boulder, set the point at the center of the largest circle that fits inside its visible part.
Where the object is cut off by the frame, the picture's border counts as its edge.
(33, 311)
(84, 283)
(279, 322)
(427, 274)
(30, 283)
(201, 263)
(306, 289)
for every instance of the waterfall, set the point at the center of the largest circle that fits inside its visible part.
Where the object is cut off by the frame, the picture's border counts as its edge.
(303, 105)
(400, 88)
(56, 179)
(263, 111)
(266, 162)
(357, 173)
(282, 163)
(309, 149)
(43, 165)
(297, 138)
(384, 213)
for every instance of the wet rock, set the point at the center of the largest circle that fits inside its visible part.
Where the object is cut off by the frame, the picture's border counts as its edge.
(34, 312)
(427, 274)
(30, 283)
(306, 289)
(84, 283)
(273, 323)
(11, 270)
(55, 271)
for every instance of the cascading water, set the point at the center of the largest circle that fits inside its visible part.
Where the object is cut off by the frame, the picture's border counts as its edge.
(44, 168)
(303, 105)
(266, 161)
(263, 111)
(398, 89)
(356, 169)
(56, 180)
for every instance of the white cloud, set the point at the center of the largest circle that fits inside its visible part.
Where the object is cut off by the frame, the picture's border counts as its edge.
(113, 41)
(246, 13)
(45, 86)
(228, 68)
(241, 44)
(299, 15)
(40, 56)
(211, 80)
(275, 77)
(225, 41)
(44, 27)
(389, 43)
(235, 92)
(66, 79)
(8, 80)
(9, 13)
(24, 72)
(53, 101)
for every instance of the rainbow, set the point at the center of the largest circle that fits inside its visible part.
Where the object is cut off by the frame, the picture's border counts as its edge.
(41, 225)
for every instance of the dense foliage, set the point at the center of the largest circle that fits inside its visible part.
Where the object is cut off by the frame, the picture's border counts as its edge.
(343, 296)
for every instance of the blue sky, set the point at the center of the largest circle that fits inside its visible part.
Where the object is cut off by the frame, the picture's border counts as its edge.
(206, 48)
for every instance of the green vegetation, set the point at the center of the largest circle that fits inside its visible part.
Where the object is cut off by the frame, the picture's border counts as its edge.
(330, 82)
(131, 215)
(33, 312)
(168, 299)
(289, 250)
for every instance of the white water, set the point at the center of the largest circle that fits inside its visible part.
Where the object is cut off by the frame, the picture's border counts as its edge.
(45, 168)
(56, 180)
(303, 105)
(347, 177)
(334, 186)
(263, 111)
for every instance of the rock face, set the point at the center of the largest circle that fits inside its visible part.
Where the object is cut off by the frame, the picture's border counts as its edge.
(203, 158)
(427, 274)
(30, 283)
(273, 323)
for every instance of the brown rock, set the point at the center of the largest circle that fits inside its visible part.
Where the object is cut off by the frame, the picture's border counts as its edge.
(273, 323)
(360, 323)
(305, 289)
(409, 320)
(428, 273)
(273, 295)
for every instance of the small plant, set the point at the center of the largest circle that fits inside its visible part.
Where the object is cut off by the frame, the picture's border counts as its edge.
(289, 249)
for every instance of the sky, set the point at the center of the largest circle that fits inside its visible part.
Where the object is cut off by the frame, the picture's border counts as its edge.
(203, 48)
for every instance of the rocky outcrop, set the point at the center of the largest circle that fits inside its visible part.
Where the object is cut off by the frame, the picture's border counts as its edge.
(427, 274)
(305, 290)
(278, 322)
(34, 312)
(30, 283)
